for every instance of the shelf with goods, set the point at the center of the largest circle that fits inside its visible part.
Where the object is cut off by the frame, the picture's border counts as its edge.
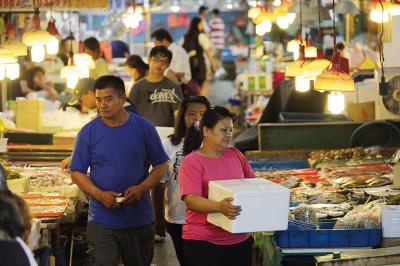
(54, 201)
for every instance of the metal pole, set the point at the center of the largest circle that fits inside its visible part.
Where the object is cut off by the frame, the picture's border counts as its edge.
(147, 10)
(3, 94)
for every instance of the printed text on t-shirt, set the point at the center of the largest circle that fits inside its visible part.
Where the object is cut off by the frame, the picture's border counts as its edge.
(164, 96)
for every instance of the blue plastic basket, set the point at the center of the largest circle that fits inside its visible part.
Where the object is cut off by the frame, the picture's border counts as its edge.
(328, 238)
(278, 165)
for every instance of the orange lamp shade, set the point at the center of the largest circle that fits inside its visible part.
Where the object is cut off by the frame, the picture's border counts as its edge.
(334, 80)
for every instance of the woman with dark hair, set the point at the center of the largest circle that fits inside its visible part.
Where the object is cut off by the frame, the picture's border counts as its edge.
(36, 81)
(136, 67)
(212, 159)
(196, 44)
(190, 112)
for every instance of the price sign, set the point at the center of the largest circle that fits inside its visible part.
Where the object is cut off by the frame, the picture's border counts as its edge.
(57, 5)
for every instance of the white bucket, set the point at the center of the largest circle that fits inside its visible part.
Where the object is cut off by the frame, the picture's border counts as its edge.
(3, 144)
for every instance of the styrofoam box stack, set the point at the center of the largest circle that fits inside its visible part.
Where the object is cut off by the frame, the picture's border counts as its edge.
(391, 50)
(265, 205)
(29, 114)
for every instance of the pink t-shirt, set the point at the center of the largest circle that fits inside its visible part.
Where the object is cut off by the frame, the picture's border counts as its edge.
(194, 174)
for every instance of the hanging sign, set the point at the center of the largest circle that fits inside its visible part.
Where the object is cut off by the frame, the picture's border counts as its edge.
(57, 5)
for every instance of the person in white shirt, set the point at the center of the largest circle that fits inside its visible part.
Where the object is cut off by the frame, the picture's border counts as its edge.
(191, 110)
(217, 34)
(203, 16)
(179, 68)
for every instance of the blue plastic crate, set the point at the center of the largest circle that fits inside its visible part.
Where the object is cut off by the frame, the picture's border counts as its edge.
(328, 238)
(270, 166)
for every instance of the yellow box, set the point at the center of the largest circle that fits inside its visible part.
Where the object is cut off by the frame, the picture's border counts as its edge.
(29, 114)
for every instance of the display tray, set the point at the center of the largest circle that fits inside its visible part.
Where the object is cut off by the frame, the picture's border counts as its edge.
(39, 200)
(328, 237)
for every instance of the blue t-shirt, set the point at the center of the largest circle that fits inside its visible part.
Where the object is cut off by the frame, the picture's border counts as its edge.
(118, 157)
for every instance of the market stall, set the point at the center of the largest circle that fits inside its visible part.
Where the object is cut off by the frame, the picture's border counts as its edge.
(337, 197)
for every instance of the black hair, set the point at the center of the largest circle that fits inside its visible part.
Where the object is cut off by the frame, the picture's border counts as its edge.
(194, 135)
(340, 46)
(190, 39)
(215, 11)
(10, 216)
(135, 61)
(202, 8)
(92, 44)
(31, 74)
(162, 34)
(180, 126)
(161, 51)
(193, 30)
(110, 81)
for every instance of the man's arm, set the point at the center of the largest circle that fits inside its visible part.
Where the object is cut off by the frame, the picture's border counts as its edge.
(107, 198)
(134, 193)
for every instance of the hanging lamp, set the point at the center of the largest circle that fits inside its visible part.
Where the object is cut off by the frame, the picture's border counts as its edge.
(316, 66)
(72, 73)
(335, 78)
(255, 11)
(11, 44)
(295, 68)
(37, 38)
(84, 60)
(52, 47)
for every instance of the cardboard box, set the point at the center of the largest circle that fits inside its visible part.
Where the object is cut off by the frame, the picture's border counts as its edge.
(265, 205)
(361, 112)
(29, 114)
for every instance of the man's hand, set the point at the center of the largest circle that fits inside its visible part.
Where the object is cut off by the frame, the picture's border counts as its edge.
(65, 163)
(132, 194)
(107, 198)
(229, 210)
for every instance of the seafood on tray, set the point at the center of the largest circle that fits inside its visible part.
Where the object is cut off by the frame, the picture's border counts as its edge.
(321, 194)
(324, 211)
(317, 157)
(363, 181)
(357, 170)
(49, 180)
(363, 217)
(293, 178)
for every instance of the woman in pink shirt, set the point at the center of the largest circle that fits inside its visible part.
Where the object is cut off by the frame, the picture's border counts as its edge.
(212, 159)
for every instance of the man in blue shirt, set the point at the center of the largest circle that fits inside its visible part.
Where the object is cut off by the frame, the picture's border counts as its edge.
(119, 147)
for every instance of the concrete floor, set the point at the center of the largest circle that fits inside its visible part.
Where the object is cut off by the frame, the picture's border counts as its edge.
(164, 253)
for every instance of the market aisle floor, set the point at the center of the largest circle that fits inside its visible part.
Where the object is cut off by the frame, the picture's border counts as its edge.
(164, 254)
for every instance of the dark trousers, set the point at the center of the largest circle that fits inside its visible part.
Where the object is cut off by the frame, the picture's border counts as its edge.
(175, 230)
(157, 198)
(201, 253)
(106, 245)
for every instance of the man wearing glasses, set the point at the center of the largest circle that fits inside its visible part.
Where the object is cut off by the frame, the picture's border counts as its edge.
(155, 97)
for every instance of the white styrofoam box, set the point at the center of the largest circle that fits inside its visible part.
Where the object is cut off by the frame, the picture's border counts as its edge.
(390, 221)
(395, 29)
(391, 53)
(265, 205)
